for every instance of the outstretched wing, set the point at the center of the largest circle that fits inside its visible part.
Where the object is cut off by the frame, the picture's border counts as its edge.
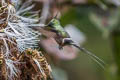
(47, 33)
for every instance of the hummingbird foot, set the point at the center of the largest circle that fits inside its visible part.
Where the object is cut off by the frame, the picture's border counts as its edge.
(60, 47)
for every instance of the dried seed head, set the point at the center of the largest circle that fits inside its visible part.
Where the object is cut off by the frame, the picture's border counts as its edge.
(38, 62)
(29, 51)
(17, 37)
(1, 59)
(3, 17)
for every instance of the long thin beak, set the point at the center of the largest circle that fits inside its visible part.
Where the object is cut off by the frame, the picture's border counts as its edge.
(42, 26)
(45, 25)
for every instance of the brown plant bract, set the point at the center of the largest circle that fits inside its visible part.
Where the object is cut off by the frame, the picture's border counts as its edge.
(38, 71)
(14, 65)
(3, 16)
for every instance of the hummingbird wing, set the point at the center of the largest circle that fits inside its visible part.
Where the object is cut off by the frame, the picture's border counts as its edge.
(47, 33)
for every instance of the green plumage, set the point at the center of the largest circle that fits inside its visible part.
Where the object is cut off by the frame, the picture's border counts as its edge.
(55, 25)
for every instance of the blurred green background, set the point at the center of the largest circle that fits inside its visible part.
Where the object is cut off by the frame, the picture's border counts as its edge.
(83, 68)
(99, 22)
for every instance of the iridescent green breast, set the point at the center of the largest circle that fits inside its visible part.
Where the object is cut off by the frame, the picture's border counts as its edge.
(61, 31)
(57, 26)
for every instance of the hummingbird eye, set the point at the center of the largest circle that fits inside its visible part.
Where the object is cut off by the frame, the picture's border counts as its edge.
(50, 24)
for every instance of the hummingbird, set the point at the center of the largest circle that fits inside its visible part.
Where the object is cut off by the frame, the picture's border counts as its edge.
(55, 30)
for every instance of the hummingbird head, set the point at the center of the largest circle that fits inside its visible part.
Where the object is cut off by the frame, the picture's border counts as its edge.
(54, 22)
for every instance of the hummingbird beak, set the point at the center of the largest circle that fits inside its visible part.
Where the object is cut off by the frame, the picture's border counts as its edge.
(43, 26)
(56, 16)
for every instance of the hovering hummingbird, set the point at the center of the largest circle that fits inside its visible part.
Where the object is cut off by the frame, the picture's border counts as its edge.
(64, 39)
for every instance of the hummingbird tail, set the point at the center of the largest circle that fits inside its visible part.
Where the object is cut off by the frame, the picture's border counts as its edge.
(93, 57)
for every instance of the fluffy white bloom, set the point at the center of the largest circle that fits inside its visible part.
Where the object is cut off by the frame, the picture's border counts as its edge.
(11, 68)
(18, 28)
(19, 25)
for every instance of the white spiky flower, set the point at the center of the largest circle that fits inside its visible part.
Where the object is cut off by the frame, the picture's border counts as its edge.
(18, 25)
(11, 68)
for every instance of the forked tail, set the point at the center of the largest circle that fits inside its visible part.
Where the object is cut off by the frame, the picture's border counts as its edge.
(93, 57)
